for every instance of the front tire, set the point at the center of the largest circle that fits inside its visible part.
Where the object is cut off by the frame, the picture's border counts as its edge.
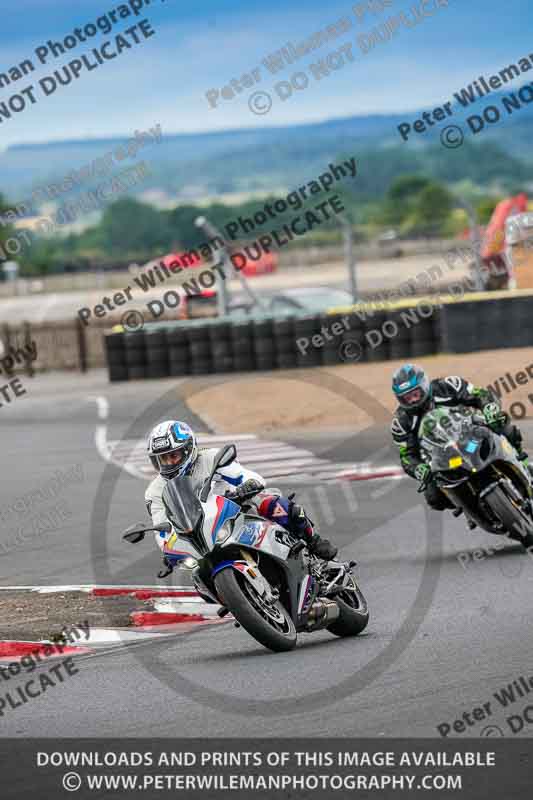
(518, 526)
(271, 627)
(353, 617)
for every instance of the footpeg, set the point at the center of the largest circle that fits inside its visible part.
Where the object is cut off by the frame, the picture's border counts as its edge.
(236, 624)
(222, 612)
(457, 512)
(471, 524)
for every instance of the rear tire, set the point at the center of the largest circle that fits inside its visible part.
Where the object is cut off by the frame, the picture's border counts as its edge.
(232, 594)
(515, 521)
(353, 617)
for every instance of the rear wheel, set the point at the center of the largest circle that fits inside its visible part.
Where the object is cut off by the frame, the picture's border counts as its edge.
(517, 524)
(353, 617)
(268, 623)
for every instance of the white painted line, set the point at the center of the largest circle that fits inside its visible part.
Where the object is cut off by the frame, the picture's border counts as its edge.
(105, 636)
(169, 605)
(295, 465)
(275, 460)
(257, 446)
(282, 454)
(362, 469)
(100, 438)
(102, 405)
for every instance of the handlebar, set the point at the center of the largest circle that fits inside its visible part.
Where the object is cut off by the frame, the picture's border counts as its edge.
(242, 498)
(297, 548)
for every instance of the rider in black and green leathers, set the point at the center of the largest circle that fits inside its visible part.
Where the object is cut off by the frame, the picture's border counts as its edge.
(416, 395)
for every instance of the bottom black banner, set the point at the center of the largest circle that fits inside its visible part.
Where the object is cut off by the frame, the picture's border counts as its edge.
(242, 768)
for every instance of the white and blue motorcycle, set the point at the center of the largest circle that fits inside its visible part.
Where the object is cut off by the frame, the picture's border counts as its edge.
(257, 570)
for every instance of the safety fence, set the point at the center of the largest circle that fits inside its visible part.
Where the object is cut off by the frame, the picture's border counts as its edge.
(51, 346)
(360, 334)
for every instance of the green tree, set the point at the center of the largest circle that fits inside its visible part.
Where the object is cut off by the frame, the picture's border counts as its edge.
(182, 230)
(401, 198)
(129, 225)
(432, 208)
(406, 188)
(434, 204)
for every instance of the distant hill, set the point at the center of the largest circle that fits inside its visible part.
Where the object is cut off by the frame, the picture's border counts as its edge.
(190, 166)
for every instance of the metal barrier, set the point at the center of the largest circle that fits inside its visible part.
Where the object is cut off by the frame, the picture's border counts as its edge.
(403, 331)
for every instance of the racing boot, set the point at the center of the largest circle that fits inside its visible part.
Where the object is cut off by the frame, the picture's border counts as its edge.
(524, 458)
(322, 548)
(301, 525)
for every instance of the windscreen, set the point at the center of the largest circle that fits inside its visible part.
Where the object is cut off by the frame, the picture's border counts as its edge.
(444, 433)
(183, 506)
(436, 430)
(444, 426)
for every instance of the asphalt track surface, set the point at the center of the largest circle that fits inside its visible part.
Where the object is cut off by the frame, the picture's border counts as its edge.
(419, 663)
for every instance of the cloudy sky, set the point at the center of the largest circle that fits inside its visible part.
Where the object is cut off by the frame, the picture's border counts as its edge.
(202, 46)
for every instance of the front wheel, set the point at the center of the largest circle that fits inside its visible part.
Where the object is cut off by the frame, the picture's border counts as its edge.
(518, 526)
(353, 608)
(268, 623)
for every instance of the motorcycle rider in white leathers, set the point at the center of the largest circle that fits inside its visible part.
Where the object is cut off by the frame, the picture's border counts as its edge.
(173, 451)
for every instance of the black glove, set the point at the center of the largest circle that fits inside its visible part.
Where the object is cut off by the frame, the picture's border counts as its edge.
(245, 491)
(299, 522)
(297, 518)
(322, 548)
(494, 417)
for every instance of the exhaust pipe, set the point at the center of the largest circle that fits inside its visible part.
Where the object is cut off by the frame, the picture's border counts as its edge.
(321, 614)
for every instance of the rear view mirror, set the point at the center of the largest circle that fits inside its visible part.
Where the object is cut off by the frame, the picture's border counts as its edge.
(137, 527)
(134, 537)
(226, 456)
(136, 532)
(223, 458)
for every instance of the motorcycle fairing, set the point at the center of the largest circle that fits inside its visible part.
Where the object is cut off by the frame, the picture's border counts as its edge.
(305, 589)
(170, 549)
(257, 533)
(458, 447)
(272, 540)
(251, 573)
(217, 511)
(224, 564)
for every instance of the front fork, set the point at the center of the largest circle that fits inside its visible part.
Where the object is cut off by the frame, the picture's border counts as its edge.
(481, 515)
(458, 495)
(253, 575)
(248, 568)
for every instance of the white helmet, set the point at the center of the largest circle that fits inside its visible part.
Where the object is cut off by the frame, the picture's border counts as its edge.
(172, 448)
